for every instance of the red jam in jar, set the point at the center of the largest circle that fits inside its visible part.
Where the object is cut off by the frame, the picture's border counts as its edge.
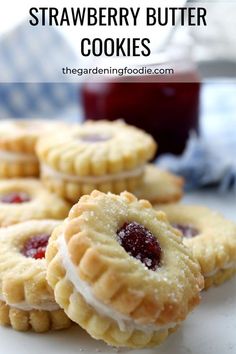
(168, 111)
(165, 106)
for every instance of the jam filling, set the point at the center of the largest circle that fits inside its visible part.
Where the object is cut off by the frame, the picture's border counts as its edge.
(36, 246)
(188, 231)
(15, 198)
(140, 243)
(94, 138)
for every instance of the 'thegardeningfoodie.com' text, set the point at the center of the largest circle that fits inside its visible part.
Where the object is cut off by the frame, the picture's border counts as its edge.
(122, 71)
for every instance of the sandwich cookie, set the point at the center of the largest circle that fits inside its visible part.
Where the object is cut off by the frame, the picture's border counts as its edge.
(210, 236)
(17, 145)
(160, 186)
(121, 272)
(26, 199)
(26, 299)
(109, 156)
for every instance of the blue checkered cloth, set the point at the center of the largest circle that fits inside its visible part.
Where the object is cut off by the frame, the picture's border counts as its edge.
(35, 54)
(40, 100)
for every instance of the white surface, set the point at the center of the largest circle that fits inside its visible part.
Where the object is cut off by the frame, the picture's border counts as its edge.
(210, 329)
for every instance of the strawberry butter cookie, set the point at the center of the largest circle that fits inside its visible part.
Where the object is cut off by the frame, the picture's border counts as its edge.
(210, 236)
(160, 186)
(17, 145)
(26, 299)
(26, 199)
(121, 272)
(109, 156)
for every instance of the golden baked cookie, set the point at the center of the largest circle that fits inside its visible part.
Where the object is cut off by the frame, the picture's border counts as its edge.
(121, 272)
(109, 156)
(160, 186)
(211, 237)
(26, 299)
(17, 145)
(26, 199)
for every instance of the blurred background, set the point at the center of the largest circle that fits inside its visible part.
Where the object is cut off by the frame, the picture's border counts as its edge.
(191, 115)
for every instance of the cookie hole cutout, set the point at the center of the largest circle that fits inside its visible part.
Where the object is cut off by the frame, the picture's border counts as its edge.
(35, 247)
(188, 231)
(141, 244)
(15, 198)
(94, 137)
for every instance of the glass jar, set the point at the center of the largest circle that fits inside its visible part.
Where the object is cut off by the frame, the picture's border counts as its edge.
(165, 106)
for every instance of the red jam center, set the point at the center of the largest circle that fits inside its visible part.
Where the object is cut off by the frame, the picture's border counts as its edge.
(188, 231)
(94, 138)
(140, 243)
(36, 246)
(15, 198)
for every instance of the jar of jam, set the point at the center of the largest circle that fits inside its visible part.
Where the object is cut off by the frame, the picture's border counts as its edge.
(165, 106)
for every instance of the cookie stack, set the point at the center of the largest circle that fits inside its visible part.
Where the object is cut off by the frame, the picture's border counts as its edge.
(112, 263)
(28, 215)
